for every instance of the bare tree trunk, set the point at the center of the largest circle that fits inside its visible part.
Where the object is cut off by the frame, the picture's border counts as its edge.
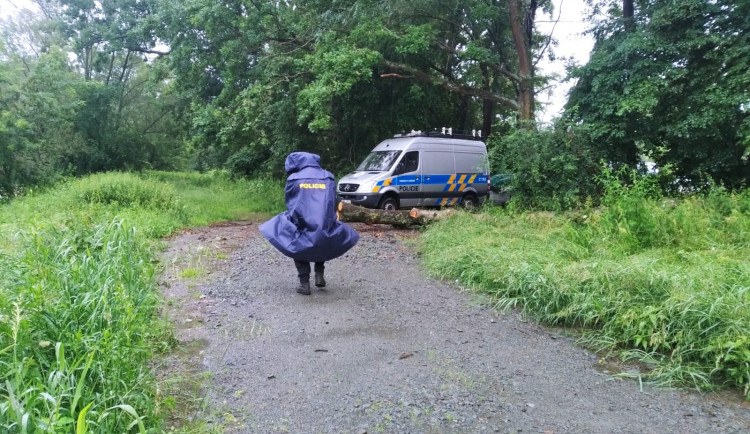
(488, 117)
(354, 213)
(526, 83)
(87, 55)
(111, 67)
(463, 108)
(627, 14)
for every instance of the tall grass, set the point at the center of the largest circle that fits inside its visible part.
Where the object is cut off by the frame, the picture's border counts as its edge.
(665, 282)
(78, 300)
(215, 197)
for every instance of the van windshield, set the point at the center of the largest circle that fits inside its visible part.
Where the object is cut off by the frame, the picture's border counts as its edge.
(379, 161)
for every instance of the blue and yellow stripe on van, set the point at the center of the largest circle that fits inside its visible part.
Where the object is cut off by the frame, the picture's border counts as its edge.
(453, 186)
(383, 183)
(456, 184)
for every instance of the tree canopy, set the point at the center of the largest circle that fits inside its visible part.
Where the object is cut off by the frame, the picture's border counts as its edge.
(334, 77)
(671, 84)
(88, 86)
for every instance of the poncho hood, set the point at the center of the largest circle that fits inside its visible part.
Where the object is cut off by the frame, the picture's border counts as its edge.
(297, 161)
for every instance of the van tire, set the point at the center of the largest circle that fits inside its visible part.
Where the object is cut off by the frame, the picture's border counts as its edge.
(469, 202)
(389, 203)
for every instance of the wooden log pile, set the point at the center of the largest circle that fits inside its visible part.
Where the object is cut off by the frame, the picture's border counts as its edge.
(401, 218)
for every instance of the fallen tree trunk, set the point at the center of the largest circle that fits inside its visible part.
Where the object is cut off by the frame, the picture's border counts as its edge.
(354, 213)
(400, 219)
(430, 215)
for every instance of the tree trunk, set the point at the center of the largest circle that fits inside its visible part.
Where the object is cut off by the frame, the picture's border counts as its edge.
(400, 219)
(354, 213)
(526, 84)
(627, 14)
(488, 117)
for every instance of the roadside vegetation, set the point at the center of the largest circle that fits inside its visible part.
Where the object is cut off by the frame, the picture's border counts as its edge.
(79, 300)
(648, 279)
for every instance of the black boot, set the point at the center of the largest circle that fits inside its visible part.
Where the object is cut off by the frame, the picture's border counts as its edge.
(304, 285)
(320, 281)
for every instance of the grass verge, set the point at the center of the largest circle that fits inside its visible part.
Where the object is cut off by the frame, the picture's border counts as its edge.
(663, 282)
(78, 299)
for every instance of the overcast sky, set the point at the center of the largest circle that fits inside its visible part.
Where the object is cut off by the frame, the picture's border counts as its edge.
(568, 31)
(572, 44)
(10, 7)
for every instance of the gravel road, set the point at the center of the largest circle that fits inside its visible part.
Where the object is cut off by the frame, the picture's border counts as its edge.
(385, 349)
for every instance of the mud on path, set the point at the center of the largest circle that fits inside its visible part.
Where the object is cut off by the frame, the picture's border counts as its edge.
(385, 349)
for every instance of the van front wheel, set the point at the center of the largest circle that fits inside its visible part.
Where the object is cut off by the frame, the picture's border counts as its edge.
(470, 202)
(389, 203)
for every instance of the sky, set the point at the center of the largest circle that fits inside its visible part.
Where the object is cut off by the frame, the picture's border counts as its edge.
(568, 31)
(572, 44)
(10, 7)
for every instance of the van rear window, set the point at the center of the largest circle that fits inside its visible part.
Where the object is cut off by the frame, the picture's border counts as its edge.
(379, 161)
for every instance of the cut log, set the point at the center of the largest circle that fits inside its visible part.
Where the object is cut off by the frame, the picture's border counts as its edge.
(400, 219)
(354, 213)
(429, 215)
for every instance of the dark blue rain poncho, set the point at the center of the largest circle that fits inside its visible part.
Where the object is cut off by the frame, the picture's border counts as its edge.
(308, 229)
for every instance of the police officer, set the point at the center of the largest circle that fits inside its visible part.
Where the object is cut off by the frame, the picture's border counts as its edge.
(308, 230)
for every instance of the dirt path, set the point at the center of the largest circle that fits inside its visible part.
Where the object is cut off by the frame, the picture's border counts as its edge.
(384, 349)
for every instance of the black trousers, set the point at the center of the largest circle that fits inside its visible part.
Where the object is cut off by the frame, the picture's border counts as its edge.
(303, 268)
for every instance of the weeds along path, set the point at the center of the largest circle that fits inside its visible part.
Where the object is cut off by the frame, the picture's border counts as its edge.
(385, 349)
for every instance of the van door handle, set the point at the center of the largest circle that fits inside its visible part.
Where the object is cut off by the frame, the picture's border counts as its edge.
(427, 178)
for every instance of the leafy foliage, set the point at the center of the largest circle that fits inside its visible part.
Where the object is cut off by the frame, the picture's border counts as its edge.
(333, 78)
(126, 190)
(115, 114)
(674, 88)
(86, 307)
(554, 168)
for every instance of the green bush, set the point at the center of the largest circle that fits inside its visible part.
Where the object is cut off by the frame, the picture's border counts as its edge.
(76, 330)
(553, 168)
(247, 162)
(126, 190)
(183, 180)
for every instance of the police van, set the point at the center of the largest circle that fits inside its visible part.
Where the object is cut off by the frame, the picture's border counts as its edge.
(419, 169)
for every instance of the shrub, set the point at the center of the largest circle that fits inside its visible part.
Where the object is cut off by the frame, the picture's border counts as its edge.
(126, 190)
(553, 168)
(78, 294)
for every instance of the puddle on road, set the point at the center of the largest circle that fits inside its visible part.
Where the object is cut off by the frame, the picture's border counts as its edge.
(188, 356)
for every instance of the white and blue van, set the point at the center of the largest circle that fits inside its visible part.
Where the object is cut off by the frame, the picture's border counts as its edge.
(420, 170)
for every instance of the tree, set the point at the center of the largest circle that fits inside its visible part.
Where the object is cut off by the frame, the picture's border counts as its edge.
(38, 100)
(82, 93)
(263, 75)
(125, 92)
(480, 49)
(671, 84)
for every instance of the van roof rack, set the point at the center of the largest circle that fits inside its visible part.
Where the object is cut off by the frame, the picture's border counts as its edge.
(443, 132)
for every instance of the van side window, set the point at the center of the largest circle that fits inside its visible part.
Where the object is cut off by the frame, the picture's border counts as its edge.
(438, 162)
(470, 163)
(409, 163)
